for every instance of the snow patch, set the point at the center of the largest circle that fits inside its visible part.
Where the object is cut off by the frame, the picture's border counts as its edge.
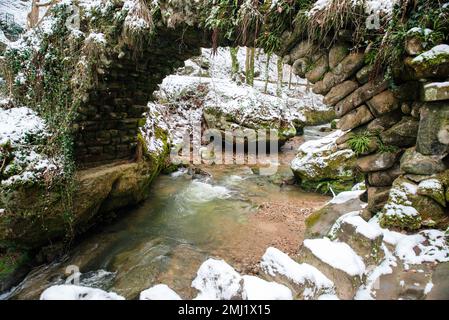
(255, 288)
(159, 292)
(336, 254)
(72, 292)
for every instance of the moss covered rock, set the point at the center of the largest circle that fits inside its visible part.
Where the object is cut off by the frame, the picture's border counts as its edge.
(320, 164)
(407, 209)
(434, 189)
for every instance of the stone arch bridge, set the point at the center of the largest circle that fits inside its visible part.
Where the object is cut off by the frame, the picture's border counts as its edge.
(122, 50)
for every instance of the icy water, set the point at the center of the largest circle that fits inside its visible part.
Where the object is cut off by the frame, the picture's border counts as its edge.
(188, 218)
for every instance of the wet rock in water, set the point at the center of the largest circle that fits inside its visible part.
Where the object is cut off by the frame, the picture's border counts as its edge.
(304, 280)
(416, 163)
(159, 292)
(72, 292)
(337, 261)
(433, 133)
(320, 161)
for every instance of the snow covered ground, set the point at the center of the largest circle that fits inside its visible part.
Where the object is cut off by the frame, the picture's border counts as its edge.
(18, 8)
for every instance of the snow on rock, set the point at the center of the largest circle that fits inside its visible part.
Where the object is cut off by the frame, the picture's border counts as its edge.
(159, 292)
(321, 159)
(255, 288)
(72, 292)
(245, 105)
(439, 51)
(155, 129)
(364, 228)
(425, 246)
(398, 209)
(428, 287)
(346, 196)
(336, 226)
(366, 291)
(336, 254)
(19, 9)
(216, 280)
(275, 262)
(18, 124)
(22, 136)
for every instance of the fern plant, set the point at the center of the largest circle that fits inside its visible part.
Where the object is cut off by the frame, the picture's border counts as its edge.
(359, 143)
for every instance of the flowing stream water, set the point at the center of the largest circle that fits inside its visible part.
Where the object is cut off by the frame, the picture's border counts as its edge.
(229, 212)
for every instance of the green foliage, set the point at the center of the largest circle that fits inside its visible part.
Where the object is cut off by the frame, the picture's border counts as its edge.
(421, 14)
(359, 143)
(334, 124)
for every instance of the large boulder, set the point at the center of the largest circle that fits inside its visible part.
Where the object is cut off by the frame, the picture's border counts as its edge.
(306, 281)
(320, 161)
(320, 222)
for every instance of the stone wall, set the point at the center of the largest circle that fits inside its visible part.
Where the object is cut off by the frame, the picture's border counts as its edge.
(408, 126)
(107, 123)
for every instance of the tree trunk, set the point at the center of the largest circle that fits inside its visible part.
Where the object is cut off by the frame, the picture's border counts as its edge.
(235, 62)
(267, 72)
(280, 66)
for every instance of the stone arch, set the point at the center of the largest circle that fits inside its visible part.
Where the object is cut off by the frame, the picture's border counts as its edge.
(132, 62)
